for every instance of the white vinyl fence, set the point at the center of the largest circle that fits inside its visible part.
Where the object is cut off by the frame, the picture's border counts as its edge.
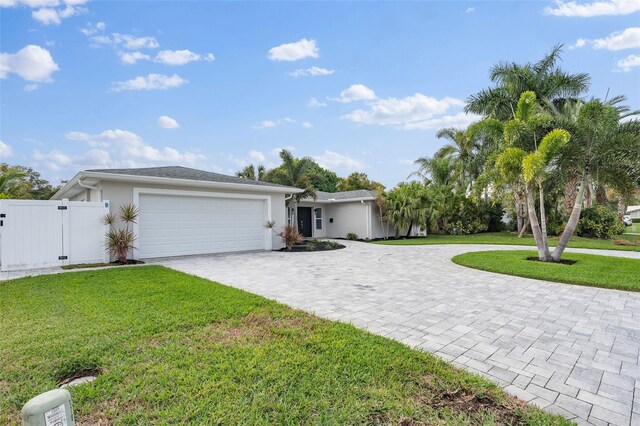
(41, 234)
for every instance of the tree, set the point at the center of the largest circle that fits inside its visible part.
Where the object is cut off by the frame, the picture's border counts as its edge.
(252, 172)
(605, 147)
(294, 172)
(552, 87)
(383, 210)
(322, 179)
(462, 149)
(358, 180)
(406, 205)
(9, 181)
(26, 183)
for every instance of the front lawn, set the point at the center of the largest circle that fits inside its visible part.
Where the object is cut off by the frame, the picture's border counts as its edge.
(512, 239)
(174, 348)
(591, 270)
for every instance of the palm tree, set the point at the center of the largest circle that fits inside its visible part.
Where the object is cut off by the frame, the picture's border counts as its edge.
(294, 172)
(526, 159)
(406, 205)
(463, 149)
(252, 172)
(9, 179)
(552, 86)
(605, 147)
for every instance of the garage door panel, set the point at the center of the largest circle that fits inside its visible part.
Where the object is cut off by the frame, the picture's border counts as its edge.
(172, 225)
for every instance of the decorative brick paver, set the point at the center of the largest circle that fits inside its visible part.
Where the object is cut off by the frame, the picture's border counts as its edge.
(572, 350)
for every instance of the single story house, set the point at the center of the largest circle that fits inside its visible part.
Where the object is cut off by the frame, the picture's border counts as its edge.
(634, 212)
(336, 214)
(184, 211)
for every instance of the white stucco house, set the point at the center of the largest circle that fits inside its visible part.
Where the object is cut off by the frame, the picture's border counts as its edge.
(185, 211)
(634, 212)
(335, 214)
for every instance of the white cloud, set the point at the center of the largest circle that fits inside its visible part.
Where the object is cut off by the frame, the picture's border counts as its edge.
(130, 58)
(54, 160)
(459, 120)
(357, 92)
(5, 151)
(166, 122)
(150, 82)
(90, 29)
(49, 12)
(629, 38)
(127, 145)
(257, 156)
(470, 10)
(270, 124)
(311, 72)
(32, 63)
(307, 125)
(333, 160)
(631, 61)
(181, 57)
(31, 87)
(314, 103)
(410, 112)
(595, 8)
(294, 51)
(125, 41)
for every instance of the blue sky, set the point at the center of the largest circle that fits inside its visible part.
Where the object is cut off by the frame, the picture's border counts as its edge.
(358, 86)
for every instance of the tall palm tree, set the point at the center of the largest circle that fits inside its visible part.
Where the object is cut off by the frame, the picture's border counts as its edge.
(605, 147)
(406, 205)
(552, 86)
(252, 172)
(463, 149)
(294, 172)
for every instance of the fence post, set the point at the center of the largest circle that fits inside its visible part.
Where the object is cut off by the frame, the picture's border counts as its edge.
(107, 255)
(66, 234)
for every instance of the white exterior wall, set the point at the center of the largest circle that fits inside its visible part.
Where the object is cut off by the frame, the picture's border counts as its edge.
(120, 193)
(347, 217)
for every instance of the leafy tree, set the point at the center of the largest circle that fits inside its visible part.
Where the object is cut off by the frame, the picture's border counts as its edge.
(294, 172)
(322, 179)
(252, 172)
(552, 87)
(358, 180)
(24, 183)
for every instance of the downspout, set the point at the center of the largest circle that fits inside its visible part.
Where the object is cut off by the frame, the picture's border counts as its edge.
(87, 186)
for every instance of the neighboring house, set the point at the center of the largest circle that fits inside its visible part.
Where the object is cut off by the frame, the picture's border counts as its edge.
(185, 211)
(335, 214)
(634, 212)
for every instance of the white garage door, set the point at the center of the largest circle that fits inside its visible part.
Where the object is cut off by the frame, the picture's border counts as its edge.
(171, 225)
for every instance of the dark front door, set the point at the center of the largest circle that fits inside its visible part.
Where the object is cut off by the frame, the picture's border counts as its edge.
(304, 221)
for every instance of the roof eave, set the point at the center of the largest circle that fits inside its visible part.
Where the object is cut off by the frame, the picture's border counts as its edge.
(333, 201)
(173, 181)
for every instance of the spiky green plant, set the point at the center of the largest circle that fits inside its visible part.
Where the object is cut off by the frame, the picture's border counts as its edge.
(120, 240)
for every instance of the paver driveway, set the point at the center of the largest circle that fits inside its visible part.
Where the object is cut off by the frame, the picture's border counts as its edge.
(572, 350)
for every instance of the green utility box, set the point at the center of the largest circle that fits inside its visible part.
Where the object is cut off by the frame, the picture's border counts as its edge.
(51, 408)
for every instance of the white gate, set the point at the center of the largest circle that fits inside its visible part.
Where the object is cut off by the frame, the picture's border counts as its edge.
(42, 234)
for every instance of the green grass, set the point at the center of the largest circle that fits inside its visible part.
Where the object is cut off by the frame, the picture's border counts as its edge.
(512, 239)
(174, 348)
(87, 265)
(589, 269)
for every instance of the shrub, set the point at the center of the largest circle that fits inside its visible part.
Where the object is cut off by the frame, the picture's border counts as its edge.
(289, 234)
(120, 241)
(599, 222)
(352, 236)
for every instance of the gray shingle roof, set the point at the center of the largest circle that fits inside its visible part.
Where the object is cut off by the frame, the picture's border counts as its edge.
(186, 173)
(345, 195)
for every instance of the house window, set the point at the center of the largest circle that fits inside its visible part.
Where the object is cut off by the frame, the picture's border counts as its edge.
(319, 219)
(289, 216)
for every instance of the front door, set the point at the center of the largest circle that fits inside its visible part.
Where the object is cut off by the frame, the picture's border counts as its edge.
(304, 221)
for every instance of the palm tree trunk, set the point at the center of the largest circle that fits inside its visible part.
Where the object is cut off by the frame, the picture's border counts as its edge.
(519, 218)
(622, 206)
(525, 226)
(535, 225)
(570, 190)
(543, 224)
(409, 230)
(570, 227)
